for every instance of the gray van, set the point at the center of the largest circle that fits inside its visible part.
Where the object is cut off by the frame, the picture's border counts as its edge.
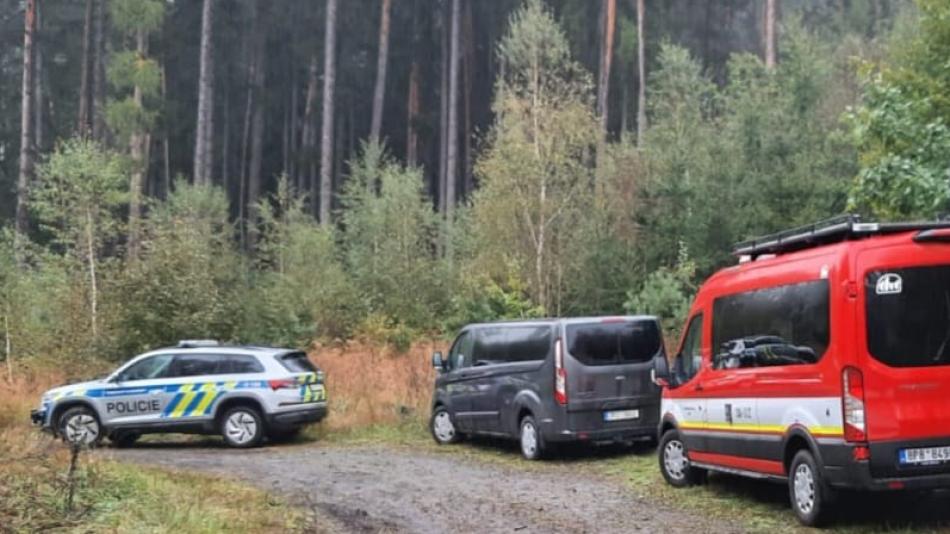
(550, 380)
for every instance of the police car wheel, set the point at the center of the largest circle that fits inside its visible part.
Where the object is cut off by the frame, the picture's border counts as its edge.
(811, 497)
(443, 427)
(242, 427)
(674, 461)
(79, 425)
(124, 438)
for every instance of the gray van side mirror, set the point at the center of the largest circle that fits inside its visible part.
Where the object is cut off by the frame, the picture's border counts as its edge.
(437, 361)
(661, 371)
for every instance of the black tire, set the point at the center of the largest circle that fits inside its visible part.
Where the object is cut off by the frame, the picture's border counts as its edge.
(442, 426)
(284, 435)
(124, 438)
(242, 427)
(810, 496)
(674, 461)
(81, 425)
(530, 440)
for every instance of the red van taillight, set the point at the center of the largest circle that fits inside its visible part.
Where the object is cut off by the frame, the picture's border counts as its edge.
(852, 404)
(560, 374)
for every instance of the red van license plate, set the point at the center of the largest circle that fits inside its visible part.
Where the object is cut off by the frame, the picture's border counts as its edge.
(929, 455)
(621, 415)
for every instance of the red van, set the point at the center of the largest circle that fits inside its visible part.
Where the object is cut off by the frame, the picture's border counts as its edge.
(821, 360)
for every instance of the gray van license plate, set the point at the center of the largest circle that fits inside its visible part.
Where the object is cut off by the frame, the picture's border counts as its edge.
(621, 415)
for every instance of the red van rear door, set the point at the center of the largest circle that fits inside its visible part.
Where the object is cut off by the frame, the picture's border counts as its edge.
(904, 341)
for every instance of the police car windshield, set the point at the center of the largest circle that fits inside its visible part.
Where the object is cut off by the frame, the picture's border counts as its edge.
(151, 367)
(297, 362)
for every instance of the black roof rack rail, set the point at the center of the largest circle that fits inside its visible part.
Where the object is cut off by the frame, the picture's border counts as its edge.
(834, 230)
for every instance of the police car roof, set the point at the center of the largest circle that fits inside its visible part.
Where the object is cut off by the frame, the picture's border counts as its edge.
(225, 349)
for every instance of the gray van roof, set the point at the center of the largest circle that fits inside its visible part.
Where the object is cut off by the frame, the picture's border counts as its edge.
(565, 320)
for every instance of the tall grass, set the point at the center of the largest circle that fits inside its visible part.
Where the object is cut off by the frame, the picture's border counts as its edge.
(370, 385)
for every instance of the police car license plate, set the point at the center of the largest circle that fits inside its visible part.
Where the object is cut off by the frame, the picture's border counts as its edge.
(929, 455)
(621, 415)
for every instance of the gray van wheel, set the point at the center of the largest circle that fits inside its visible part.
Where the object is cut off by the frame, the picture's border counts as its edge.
(532, 445)
(443, 427)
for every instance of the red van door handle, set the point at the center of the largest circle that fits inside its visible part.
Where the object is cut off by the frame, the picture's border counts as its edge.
(698, 387)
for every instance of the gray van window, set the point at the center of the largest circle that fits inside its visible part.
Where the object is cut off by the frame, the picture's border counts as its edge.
(614, 343)
(908, 316)
(461, 354)
(781, 325)
(504, 344)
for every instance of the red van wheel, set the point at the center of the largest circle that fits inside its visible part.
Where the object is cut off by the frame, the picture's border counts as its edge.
(674, 461)
(811, 497)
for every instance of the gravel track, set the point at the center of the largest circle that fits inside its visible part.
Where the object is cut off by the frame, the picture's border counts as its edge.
(382, 489)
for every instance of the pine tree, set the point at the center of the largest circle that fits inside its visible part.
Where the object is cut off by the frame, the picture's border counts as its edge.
(26, 121)
(382, 60)
(329, 108)
(204, 129)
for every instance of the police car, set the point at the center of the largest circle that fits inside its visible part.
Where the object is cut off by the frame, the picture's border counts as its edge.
(242, 393)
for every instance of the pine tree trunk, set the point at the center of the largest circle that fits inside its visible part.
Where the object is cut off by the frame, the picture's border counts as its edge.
(468, 80)
(379, 94)
(166, 148)
(413, 106)
(770, 34)
(444, 110)
(451, 159)
(257, 124)
(83, 125)
(38, 81)
(608, 23)
(26, 121)
(138, 142)
(326, 138)
(641, 66)
(308, 178)
(203, 129)
(97, 111)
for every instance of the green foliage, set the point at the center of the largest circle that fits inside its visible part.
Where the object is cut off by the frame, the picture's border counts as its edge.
(128, 70)
(536, 169)
(188, 279)
(665, 293)
(901, 127)
(80, 192)
(300, 290)
(482, 299)
(389, 232)
(137, 15)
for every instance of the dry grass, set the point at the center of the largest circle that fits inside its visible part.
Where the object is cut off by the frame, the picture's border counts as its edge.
(372, 385)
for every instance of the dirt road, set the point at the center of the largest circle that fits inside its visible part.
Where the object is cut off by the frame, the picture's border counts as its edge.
(381, 489)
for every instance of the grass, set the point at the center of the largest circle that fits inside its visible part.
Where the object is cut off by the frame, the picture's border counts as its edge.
(112, 496)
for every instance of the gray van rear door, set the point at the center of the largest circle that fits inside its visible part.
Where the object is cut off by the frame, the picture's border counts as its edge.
(609, 363)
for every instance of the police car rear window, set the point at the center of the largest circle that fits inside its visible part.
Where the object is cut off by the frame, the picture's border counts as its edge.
(297, 362)
(908, 316)
(614, 343)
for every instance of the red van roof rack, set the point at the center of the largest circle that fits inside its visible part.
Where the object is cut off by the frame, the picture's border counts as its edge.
(834, 230)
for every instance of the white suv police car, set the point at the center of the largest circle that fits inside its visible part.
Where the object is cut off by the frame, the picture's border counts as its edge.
(242, 393)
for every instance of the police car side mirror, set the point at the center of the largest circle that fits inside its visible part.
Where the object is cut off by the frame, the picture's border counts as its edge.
(437, 362)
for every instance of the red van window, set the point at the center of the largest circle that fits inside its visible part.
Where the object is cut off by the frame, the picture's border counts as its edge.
(782, 325)
(908, 316)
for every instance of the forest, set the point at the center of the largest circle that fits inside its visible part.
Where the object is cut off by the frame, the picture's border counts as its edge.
(279, 172)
